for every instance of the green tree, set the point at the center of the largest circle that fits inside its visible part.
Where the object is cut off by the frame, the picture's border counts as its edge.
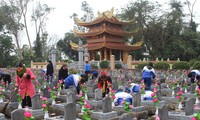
(38, 49)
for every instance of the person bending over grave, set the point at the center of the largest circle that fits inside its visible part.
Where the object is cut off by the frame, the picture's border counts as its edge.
(121, 96)
(6, 77)
(103, 82)
(194, 74)
(63, 73)
(134, 88)
(148, 74)
(74, 80)
(24, 84)
(147, 95)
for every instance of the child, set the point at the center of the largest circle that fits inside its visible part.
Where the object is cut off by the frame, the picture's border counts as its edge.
(122, 96)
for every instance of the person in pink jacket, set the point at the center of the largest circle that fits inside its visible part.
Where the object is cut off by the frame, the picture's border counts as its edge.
(24, 84)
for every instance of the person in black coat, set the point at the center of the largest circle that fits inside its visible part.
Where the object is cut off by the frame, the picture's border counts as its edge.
(50, 71)
(63, 73)
(6, 77)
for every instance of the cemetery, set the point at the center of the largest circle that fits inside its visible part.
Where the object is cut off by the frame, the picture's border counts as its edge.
(102, 79)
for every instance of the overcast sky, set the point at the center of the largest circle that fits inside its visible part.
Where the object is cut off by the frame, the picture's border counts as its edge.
(60, 22)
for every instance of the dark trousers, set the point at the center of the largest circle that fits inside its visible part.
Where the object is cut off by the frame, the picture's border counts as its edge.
(147, 82)
(26, 102)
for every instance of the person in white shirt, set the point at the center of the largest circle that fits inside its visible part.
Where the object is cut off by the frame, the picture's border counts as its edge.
(147, 95)
(120, 96)
(194, 74)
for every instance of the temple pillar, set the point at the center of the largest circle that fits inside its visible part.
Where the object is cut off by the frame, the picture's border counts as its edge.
(125, 56)
(110, 51)
(89, 57)
(100, 54)
(112, 62)
(129, 62)
(105, 54)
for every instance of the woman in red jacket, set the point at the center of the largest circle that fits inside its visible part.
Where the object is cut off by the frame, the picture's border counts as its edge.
(24, 84)
(103, 81)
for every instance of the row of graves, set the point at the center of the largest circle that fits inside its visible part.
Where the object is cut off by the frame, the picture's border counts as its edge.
(174, 98)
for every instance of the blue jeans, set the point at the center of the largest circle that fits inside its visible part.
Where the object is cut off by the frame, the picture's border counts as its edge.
(147, 82)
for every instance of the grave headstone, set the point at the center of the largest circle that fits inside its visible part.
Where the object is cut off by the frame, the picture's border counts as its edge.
(17, 114)
(36, 102)
(70, 111)
(126, 116)
(158, 93)
(95, 86)
(163, 112)
(14, 99)
(46, 93)
(192, 88)
(115, 85)
(176, 90)
(136, 99)
(98, 94)
(106, 105)
(70, 97)
(189, 106)
(73, 89)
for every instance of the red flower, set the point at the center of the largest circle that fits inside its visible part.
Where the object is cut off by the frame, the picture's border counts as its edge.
(27, 114)
(44, 105)
(153, 94)
(113, 97)
(178, 97)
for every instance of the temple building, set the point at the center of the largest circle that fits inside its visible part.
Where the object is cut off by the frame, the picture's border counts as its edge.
(105, 37)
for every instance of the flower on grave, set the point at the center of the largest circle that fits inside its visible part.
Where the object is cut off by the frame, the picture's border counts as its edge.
(129, 83)
(28, 115)
(196, 82)
(157, 117)
(1, 92)
(179, 96)
(82, 98)
(38, 85)
(127, 106)
(60, 82)
(52, 93)
(196, 115)
(173, 84)
(86, 111)
(156, 85)
(197, 92)
(155, 99)
(19, 98)
(185, 84)
(3, 84)
(109, 85)
(112, 95)
(84, 88)
(142, 87)
(44, 104)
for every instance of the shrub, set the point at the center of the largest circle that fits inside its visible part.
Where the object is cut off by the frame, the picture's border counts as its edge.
(181, 65)
(118, 66)
(193, 61)
(104, 64)
(141, 65)
(196, 65)
(93, 66)
(161, 65)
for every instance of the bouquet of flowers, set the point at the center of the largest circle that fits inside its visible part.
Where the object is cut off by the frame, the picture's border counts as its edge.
(173, 84)
(156, 85)
(196, 115)
(28, 115)
(155, 100)
(84, 88)
(44, 104)
(38, 85)
(126, 105)
(60, 82)
(112, 95)
(82, 98)
(142, 87)
(19, 99)
(53, 95)
(86, 111)
(197, 92)
(1, 92)
(179, 96)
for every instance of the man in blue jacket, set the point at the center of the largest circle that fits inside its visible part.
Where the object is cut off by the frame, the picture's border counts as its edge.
(148, 74)
(74, 80)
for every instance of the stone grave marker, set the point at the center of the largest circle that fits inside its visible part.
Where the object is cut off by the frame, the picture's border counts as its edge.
(107, 105)
(158, 93)
(136, 99)
(126, 116)
(17, 114)
(176, 90)
(163, 112)
(73, 89)
(70, 97)
(98, 94)
(95, 86)
(189, 106)
(192, 88)
(46, 93)
(70, 111)
(115, 85)
(36, 102)
(14, 99)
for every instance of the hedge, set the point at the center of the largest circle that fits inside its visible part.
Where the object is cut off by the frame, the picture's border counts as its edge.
(161, 65)
(181, 65)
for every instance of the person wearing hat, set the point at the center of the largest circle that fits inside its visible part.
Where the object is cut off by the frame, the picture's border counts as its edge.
(121, 95)
(103, 81)
(148, 74)
(24, 84)
(74, 80)
(63, 73)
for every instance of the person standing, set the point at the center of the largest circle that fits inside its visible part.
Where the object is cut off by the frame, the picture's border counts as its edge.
(87, 68)
(24, 84)
(50, 71)
(148, 74)
(63, 73)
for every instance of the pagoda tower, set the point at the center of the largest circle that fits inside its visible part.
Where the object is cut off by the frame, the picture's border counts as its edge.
(105, 37)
